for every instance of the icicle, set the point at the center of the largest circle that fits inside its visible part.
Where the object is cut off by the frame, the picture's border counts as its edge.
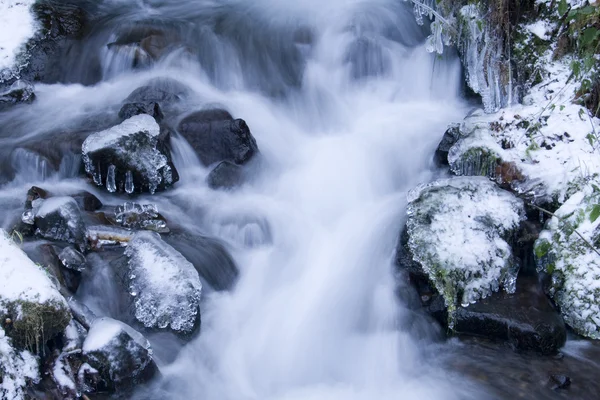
(110, 179)
(129, 186)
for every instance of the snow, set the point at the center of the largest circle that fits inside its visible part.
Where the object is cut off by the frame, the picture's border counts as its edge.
(457, 230)
(18, 26)
(63, 374)
(111, 136)
(102, 332)
(541, 28)
(546, 139)
(21, 279)
(166, 287)
(574, 266)
(15, 369)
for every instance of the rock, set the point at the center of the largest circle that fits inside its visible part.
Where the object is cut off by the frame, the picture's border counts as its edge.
(57, 218)
(32, 311)
(567, 250)
(19, 92)
(216, 137)
(225, 175)
(158, 94)
(72, 259)
(451, 136)
(525, 319)
(164, 286)
(557, 381)
(209, 257)
(457, 232)
(66, 280)
(130, 157)
(87, 201)
(121, 356)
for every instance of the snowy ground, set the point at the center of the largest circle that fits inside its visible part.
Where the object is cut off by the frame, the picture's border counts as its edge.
(17, 26)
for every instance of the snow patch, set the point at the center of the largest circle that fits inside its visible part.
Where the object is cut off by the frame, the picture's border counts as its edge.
(16, 369)
(18, 26)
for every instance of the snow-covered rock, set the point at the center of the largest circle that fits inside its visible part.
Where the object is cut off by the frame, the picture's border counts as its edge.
(457, 232)
(121, 355)
(17, 368)
(568, 251)
(18, 26)
(164, 285)
(130, 157)
(31, 308)
(57, 218)
(538, 148)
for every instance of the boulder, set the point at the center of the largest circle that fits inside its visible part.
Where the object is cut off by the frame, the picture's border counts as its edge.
(450, 137)
(157, 95)
(66, 280)
(130, 157)
(209, 257)
(215, 136)
(164, 286)
(225, 175)
(525, 319)
(57, 218)
(457, 236)
(19, 92)
(32, 311)
(120, 355)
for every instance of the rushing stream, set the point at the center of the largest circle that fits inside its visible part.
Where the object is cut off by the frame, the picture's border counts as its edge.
(346, 107)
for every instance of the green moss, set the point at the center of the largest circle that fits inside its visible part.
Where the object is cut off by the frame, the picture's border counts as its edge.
(31, 324)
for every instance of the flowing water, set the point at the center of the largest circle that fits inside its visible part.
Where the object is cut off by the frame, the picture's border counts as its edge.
(347, 108)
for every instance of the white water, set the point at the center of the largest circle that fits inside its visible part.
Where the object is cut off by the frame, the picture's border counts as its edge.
(314, 315)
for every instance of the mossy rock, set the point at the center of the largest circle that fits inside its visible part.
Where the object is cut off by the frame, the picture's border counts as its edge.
(31, 324)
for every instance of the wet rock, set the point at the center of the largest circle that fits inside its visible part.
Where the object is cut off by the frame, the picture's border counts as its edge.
(212, 261)
(72, 259)
(87, 201)
(216, 137)
(57, 218)
(130, 157)
(66, 280)
(525, 319)
(19, 92)
(163, 284)
(121, 356)
(450, 137)
(559, 381)
(225, 175)
(151, 99)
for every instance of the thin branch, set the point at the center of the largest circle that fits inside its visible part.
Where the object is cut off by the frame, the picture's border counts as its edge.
(591, 246)
(435, 13)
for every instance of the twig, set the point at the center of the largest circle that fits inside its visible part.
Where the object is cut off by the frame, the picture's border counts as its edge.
(435, 13)
(591, 246)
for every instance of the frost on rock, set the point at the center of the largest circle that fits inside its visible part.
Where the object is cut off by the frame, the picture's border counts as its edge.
(130, 157)
(28, 299)
(573, 260)
(18, 26)
(457, 231)
(17, 368)
(120, 354)
(541, 148)
(140, 216)
(56, 218)
(165, 286)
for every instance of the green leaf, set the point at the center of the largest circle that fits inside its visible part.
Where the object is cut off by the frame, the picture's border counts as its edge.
(595, 213)
(589, 35)
(562, 107)
(576, 68)
(562, 7)
(591, 138)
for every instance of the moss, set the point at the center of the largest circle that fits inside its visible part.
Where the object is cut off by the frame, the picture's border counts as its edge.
(31, 324)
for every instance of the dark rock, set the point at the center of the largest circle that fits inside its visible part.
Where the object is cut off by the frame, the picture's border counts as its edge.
(19, 92)
(151, 99)
(87, 201)
(72, 259)
(450, 137)
(225, 175)
(209, 257)
(526, 319)
(130, 157)
(57, 218)
(121, 356)
(559, 382)
(46, 255)
(216, 137)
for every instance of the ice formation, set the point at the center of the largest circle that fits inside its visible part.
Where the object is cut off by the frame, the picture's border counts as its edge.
(165, 286)
(18, 26)
(458, 230)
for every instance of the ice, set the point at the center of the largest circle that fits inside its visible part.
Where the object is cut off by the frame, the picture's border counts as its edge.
(58, 218)
(18, 26)
(458, 230)
(565, 250)
(110, 137)
(165, 286)
(104, 234)
(140, 216)
(72, 259)
(129, 185)
(111, 186)
(16, 369)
